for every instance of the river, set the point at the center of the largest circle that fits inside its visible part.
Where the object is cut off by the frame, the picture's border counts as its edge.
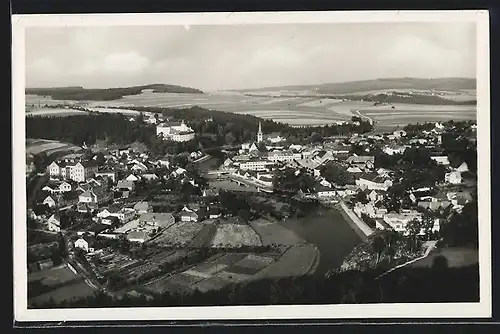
(328, 230)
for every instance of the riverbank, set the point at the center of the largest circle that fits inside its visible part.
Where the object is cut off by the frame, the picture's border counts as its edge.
(359, 226)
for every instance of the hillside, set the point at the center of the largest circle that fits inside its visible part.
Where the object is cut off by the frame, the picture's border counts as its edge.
(351, 87)
(79, 93)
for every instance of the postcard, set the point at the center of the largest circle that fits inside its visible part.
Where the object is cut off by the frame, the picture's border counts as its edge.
(251, 166)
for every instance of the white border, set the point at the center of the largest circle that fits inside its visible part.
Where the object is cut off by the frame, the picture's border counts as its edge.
(453, 310)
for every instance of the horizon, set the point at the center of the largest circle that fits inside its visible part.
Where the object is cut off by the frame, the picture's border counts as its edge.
(236, 57)
(255, 88)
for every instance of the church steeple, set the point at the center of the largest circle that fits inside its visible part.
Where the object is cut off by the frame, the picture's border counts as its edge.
(259, 134)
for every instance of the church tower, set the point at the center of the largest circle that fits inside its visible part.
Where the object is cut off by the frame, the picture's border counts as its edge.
(259, 134)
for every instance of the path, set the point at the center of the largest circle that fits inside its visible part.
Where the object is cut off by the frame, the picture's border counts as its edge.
(355, 220)
(358, 113)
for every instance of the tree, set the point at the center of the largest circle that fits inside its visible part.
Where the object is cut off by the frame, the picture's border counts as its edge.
(413, 228)
(361, 197)
(100, 160)
(337, 174)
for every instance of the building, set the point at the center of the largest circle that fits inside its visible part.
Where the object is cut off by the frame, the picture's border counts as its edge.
(188, 216)
(85, 243)
(283, 156)
(373, 181)
(179, 132)
(138, 236)
(260, 135)
(49, 201)
(441, 160)
(54, 223)
(143, 207)
(106, 173)
(454, 177)
(156, 220)
(79, 172)
(399, 221)
(361, 161)
(256, 165)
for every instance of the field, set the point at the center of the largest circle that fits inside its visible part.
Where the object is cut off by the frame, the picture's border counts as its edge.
(274, 234)
(53, 276)
(59, 112)
(296, 261)
(234, 235)
(179, 234)
(205, 236)
(48, 146)
(69, 292)
(291, 110)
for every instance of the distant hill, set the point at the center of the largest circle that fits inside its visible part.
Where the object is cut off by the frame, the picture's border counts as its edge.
(376, 84)
(79, 93)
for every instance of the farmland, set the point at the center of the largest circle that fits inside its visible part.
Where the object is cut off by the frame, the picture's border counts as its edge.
(274, 234)
(179, 234)
(292, 110)
(36, 146)
(204, 237)
(65, 293)
(54, 276)
(296, 261)
(235, 235)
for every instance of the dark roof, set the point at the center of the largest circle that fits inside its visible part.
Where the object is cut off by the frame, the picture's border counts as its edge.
(97, 228)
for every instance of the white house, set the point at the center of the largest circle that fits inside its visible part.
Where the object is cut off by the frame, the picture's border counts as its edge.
(132, 178)
(49, 201)
(441, 160)
(373, 182)
(463, 168)
(188, 216)
(84, 244)
(179, 132)
(54, 223)
(454, 177)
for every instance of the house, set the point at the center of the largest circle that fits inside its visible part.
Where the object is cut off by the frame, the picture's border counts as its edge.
(50, 188)
(210, 192)
(164, 163)
(78, 172)
(454, 177)
(256, 165)
(179, 132)
(441, 160)
(125, 185)
(110, 220)
(227, 163)
(150, 177)
(138, 166)
(142, 207)
(54, 223)
(86, 243)
(132, 178)
(462, 168)
(86, 207)
(188, 215)
(373, 196)
(49, 201)
(433, 205)
(399, 133)
(178, 172)
(137, 236)
(214, 213)
(65, 187)
(399, 221)
(361, 161)
(394, 149)
(373, 181)
(384, 172)
(324, 192)
(107, 173)
(354, 170)
(264, 180)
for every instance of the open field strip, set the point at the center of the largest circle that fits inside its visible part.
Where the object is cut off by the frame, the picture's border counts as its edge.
(296, 261)
(420, 107)
(319, 103)
(271, 233)
(234, 235)
(69, 292)
(278, 100)
(53, 276)
(180, 233)
(204, 237)
(55, 112)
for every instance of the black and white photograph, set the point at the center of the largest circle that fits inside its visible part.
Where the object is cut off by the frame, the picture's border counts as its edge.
(251, 166)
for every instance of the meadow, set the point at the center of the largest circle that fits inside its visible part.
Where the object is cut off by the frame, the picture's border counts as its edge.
(292, 110)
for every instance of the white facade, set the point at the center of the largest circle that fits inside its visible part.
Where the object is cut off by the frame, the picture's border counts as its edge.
(454, 177)
(54, 224)
(78, 172)
(256, 165)
(179, 133)
(283, 156)
(371, 185)
(83, 244)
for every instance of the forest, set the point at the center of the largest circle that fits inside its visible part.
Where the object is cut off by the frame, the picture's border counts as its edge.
(79, 93)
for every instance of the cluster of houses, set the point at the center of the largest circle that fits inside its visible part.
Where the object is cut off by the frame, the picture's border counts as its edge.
(258, 162)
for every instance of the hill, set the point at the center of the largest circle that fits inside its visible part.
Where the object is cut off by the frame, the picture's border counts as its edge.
(79, 93)
(351, 87)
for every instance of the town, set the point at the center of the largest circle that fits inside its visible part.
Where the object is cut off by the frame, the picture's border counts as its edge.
(131, 222)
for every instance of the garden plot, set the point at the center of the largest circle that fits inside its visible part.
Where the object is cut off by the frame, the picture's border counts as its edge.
(204, 236)
(179, 234)
(235, 235)
(274, 234)
(209, 268)
(250, 265)
(213, 283)
(232, 277)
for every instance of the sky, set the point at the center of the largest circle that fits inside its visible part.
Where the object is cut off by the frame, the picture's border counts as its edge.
(247, 56)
